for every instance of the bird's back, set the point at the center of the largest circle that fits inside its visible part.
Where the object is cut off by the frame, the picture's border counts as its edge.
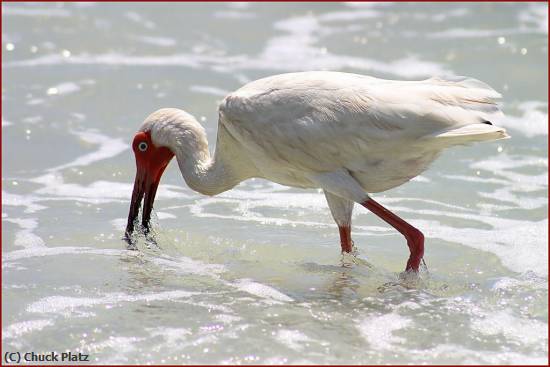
(323, 121)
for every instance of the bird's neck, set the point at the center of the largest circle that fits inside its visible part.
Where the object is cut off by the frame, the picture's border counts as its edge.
(207, 174)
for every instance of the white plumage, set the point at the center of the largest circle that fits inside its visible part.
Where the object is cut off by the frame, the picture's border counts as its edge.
(382, 132)
(347, 134)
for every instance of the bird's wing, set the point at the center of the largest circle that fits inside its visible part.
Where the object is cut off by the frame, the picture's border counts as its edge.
(323, 120)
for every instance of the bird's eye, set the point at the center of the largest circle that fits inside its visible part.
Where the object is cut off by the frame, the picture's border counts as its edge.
(143, 146)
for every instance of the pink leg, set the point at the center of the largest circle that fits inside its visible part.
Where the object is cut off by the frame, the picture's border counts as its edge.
(415, 238)
(345, 238)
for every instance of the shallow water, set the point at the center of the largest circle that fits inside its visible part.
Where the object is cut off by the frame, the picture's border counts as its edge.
(254, 275)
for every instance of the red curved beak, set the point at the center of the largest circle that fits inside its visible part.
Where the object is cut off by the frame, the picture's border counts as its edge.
(149, 172)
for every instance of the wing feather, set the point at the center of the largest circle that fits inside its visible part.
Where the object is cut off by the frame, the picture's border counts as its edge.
(319, 120)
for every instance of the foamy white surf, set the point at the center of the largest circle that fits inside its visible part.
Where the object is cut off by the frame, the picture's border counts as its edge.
(261, 290)
(532, 122)
(297, 49)
(379, 331)
(26, 201)
(67, 305)
(537, 14)
(158, 41)
(293, 339)
(63, 89)
(504, 323)
(25, 237)
(189, 266)
(107, 148)
(520, 246)
(97, 192)
(21, 328)
(34, 251)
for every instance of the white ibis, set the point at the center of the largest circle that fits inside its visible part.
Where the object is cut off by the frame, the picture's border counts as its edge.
(347, 134)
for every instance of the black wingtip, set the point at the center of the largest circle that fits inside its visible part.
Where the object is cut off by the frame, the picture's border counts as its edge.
(487, 122)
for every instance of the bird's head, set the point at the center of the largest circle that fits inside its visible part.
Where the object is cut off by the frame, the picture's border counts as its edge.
(163, 134)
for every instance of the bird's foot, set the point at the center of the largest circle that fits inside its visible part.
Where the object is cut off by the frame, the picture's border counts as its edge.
(415, 242)
(424, 267)
(151, 242)
(130, 241)
(349, 258)
(412, 275)
(150, 238)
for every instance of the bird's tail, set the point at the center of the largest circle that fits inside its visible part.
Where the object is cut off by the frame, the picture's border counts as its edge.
(470, 134)
(471, 104)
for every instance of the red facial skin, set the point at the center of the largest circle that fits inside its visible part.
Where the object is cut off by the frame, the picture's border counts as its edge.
(150, 163)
